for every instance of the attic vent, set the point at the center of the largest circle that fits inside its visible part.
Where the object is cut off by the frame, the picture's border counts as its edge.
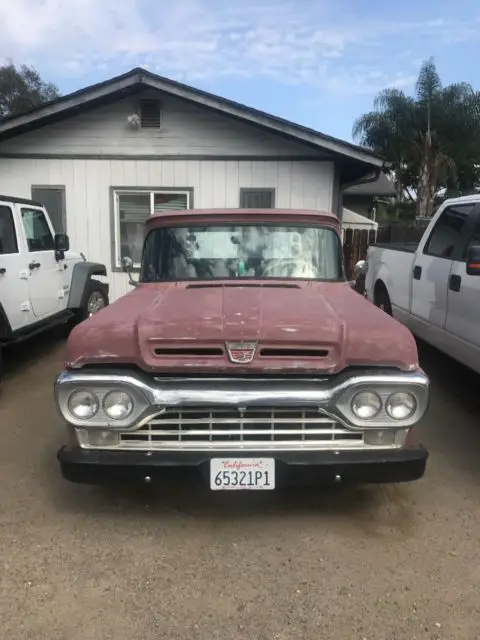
(150, 113)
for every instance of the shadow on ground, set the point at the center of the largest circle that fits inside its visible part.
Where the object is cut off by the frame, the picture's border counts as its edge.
(19, 357)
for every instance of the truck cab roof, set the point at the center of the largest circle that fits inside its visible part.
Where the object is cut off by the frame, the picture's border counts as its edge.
(15, 200)
(272, 215)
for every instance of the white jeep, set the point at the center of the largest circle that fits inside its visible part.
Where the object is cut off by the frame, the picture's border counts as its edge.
(42, 283)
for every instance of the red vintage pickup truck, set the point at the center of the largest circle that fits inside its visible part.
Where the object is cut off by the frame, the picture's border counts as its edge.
(242, 351)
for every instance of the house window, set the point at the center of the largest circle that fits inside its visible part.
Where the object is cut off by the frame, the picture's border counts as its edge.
(133, 208)
(53, 199)
(150, 113)
(257, 198)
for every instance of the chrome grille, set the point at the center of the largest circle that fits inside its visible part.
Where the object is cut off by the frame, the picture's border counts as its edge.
(248, 428)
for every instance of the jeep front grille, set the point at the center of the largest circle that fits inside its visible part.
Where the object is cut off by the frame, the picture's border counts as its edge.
(251, 428)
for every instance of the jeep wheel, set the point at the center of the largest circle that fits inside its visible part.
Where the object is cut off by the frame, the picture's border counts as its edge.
(95, 302)
(95, 299)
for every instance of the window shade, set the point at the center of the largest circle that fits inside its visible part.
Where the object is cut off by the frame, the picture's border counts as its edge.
(166, 201)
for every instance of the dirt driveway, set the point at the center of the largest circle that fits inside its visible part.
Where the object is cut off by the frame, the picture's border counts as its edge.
(376, 563)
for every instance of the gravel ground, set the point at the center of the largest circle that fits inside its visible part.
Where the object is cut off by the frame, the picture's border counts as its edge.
(376, 563)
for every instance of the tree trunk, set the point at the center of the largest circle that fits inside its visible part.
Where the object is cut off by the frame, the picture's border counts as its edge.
(424, 200)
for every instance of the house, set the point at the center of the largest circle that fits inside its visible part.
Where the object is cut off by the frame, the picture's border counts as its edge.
(105, 158)
(360, 198)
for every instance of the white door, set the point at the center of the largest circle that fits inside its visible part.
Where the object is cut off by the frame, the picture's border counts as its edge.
(463, 315)
(13, 272)
(46, 278)
(432, 267)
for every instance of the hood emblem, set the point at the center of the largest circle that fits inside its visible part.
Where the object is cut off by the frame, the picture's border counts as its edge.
(241, 352)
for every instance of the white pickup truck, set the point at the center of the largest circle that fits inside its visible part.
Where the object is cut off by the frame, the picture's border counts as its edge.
(434, 287)
(42, 283)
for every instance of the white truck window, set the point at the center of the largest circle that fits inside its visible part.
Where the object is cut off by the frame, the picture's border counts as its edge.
(8, 237)
(37, 231)
(446, 234)
(474, 240)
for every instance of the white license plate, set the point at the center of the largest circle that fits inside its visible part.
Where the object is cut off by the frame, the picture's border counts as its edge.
(233, 474)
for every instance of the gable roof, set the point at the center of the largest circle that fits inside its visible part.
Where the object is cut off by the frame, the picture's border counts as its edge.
(138, 80)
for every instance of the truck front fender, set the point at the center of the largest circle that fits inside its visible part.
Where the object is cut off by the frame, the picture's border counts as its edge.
(81, 275)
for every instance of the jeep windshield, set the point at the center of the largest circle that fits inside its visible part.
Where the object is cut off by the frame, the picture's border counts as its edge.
(241, 251)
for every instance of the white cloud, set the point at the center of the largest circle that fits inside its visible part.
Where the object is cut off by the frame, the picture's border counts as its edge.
(294, 41)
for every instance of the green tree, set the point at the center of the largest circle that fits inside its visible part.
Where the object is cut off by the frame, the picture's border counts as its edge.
(432, 139)
(22, 90)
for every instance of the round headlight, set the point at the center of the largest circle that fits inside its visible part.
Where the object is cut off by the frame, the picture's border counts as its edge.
(83, 405)
(366, 405)
(118, 405)
(401, 405)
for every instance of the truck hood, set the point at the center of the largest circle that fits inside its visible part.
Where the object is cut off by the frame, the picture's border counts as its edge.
(299, 327)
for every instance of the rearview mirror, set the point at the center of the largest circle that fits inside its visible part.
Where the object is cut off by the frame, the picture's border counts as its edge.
(62, 242)
(127, 266)
(473, 260)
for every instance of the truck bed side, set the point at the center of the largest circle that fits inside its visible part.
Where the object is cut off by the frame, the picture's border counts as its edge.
(409, 247)
(391, 267)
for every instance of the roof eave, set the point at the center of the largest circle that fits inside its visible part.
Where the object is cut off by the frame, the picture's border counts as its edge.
(73, 101)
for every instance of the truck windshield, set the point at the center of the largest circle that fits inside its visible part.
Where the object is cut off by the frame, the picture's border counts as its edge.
(243, 251)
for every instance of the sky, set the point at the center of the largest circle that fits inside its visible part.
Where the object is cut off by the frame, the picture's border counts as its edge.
(319, 63)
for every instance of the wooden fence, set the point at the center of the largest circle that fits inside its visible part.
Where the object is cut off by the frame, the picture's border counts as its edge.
(355, 245)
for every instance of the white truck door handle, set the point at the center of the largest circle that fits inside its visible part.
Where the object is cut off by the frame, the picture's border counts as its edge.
(2, 271)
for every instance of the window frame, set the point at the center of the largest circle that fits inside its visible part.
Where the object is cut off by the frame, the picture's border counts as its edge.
(115, 215)
(63, 198)
(475, 223)
(246, 190)
(460, 247)
(15, 233)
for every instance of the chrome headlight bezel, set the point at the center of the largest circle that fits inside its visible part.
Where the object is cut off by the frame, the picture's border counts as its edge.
(141, 404)
(384, 389)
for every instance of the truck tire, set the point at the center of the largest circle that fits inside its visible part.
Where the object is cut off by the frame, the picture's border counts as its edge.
(382, 300)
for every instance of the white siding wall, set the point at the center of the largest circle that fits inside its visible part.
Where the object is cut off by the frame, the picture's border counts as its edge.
(298, 184)
(186, 130)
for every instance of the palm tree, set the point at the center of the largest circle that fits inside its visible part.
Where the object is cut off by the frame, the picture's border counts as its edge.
(432, 139)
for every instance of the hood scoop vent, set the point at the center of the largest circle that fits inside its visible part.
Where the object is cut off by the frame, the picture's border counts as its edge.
(188, 352)
(279, 352)
(273, 285)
